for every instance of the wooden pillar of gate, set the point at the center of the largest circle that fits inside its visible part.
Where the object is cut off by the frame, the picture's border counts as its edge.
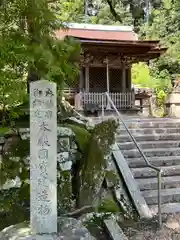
(123, 79)
(81, 80)
(128, 79)
(108, 107)
(87, 79)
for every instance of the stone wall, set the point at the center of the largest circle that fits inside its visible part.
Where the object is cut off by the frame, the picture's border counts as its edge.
(66, 155)
(66, 148)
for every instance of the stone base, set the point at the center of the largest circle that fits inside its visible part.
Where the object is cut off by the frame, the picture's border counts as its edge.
(68, 229)
(173, 111)
(43, 237)
(146, 111)
(172, 105)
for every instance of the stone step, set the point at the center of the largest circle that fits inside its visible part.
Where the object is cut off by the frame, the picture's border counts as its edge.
(152, 183)
(131, 119)
(151, 119)
(156, 161)
(150, 144)
(168, 195)
(152, 131)
(148, 137)
(142, 119)
(151, 124)
(158, 152)
(147, 172)
(166, 208)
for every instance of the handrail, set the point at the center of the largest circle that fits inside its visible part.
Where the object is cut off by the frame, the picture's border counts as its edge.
(158, 170)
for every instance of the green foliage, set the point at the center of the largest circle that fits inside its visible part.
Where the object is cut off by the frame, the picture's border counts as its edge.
(82, 136)
(29, 50)
(108, 205)
(99, 12)
(56, 60)
(151, 77)
(161, 97)
(14, 164)
(141, 75)
(162, 80)
(158, 81)
(164, 25)
(162, 86)
(13, 205)
(3, 130)
(70, 11)
(104, 15)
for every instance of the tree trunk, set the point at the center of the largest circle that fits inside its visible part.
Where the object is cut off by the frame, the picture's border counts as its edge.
(32, 77)
(76, 182)
(3, 114)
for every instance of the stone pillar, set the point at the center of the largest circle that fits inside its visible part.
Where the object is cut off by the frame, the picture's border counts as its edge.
(123, 79)
(43, 157)
(172, 104)
(107, 74)
(108, 107)
(87, 78)
(128, 78)
(81, 80)
(146, 107)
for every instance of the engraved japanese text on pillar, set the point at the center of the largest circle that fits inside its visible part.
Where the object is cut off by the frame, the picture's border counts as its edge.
(43, 151)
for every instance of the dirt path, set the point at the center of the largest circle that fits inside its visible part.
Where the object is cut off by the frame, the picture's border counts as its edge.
(150, 231)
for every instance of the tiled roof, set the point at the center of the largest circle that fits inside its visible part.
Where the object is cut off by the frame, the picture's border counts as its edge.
(102, 39)
(98, 32)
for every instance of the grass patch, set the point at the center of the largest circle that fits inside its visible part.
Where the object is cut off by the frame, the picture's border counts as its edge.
(3, 130)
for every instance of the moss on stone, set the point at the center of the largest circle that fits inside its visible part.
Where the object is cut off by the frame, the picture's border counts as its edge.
(88, 170)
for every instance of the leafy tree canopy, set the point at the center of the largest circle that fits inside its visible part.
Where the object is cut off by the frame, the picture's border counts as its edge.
(165, 26)
(29, 50)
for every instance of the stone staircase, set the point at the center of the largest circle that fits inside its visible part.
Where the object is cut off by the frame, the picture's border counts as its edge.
(160, 141)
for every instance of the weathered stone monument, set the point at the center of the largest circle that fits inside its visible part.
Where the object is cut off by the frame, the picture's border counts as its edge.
(43, 155)
(44, 224)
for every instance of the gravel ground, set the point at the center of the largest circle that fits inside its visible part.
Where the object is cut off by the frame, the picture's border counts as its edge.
(170, 229)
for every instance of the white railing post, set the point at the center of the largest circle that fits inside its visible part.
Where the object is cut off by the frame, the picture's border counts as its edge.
(102, 99)
(121, 99)
(132, 99)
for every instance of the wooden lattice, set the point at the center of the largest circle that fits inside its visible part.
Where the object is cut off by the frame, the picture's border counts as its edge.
(97, 79)
(115, 76)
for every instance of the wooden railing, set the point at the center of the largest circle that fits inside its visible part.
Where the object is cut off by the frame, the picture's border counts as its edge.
(69, 92)
(121, 100)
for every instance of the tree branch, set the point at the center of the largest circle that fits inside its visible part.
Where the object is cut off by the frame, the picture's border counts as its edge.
(79, 212)
(113, 11)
